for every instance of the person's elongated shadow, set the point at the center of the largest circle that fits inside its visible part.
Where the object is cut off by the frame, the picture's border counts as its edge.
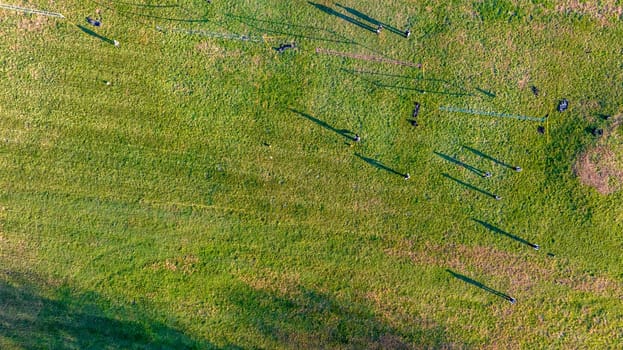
(461, 164)
(360, 73)
(420, 90)
(260, 25)
(95, 35)
(481, 286)
(471, 187)
(140, 5)
(502, 232)
(351, 20)
(131, 14)
(375, 163)
(374, 21)
(483, 155)
(343, 132)
(338, 38)
(485, 92)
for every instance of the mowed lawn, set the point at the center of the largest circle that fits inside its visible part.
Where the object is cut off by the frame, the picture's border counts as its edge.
(195, 188)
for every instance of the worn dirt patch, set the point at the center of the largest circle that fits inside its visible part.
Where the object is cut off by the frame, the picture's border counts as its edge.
(601, 166)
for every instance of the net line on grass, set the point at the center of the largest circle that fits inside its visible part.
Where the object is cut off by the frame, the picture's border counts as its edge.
(366, 57)
(32, 11)
(490, 114)
(228, 36)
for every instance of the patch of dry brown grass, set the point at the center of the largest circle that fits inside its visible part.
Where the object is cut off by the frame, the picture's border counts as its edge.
(33, 23)
(601, 166)
(525, 271)
(605, 12)
(185, 264)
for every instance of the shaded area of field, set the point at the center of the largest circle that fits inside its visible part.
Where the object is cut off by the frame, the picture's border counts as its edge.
(68, 320)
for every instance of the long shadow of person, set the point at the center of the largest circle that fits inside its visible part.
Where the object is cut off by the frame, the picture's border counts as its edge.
(95, 35)
(332, 12)
(481, 286)
(471, 187)
(375, 163)
(374, 21)
(343, 132)
(504, 233)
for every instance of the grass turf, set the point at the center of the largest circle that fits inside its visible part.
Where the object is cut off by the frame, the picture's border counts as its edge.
(210, 196)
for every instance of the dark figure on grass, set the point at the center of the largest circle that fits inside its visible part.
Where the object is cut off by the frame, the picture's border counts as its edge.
(414, 115)
(563, 105)
(284, 47)
(96, 22)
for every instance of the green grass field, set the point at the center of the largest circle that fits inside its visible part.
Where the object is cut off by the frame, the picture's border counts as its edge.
(189, 189)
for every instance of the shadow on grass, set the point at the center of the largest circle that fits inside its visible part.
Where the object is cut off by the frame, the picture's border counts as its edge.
(440, 92)
(260, 25)
(348, 19)
(343, 132)
(374, 21)
(461, 164)
(110, 6)
(140, 5)
(68, 320)
(95, 35)
(481, 286)
(504, 233)
(381, 84)
(379, 165)
(485, 92)
(496, 161)
(308, 319)
(471, 187)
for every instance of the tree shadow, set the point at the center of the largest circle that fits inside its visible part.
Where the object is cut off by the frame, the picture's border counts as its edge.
(348, 19)
(481, 286)
(483, 155)
(95, 35)
(502, 232)
(343, 132)
(67, 320)
(257, 24)
(308, 319)
(374, 21)
(471, 187)
(461, 164)
(379, 165)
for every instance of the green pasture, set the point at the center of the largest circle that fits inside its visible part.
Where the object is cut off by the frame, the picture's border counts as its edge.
(195, 188)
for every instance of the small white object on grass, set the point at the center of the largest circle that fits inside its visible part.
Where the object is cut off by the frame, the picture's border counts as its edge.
(117, 44)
